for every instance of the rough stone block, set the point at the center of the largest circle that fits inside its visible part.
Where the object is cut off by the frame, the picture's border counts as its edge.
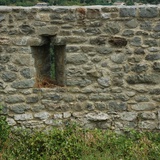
(146, 106)
(19, 108)
(97, 116)
(47, 30)
(149, 12)
(23, 117)
(148, 125)
(128, 116)
(42, 115)
(127, 12)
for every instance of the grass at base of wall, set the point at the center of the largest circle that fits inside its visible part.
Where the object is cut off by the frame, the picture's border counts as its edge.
(73, 143)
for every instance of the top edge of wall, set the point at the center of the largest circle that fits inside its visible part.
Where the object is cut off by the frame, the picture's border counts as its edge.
(75, 6)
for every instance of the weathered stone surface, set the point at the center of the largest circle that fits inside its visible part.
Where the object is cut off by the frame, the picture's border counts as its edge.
(153, 57)
(77, 58)
(112, 28)
(150, 12)
(141, 98)
(151, 42)
(146, 106)
(104, 81)
(127, 12)
(138, 68)
(155, 91)
(23, 84)
(139, 51)
(93, 13)
(156, 98)
(47, 30)
(104, 50)
(26, 72)
(132, 23)
(4, 59)
(98, 41)
(9, 76)
(128, 33)
(11, 121)
(100, 97)
(118, 58)
(147, 25)
(23, 117)
(14, 99)
(97, 116)
(26, 29)
(148, 115)
(42, 115)
(136, 41)
(156, 66)
(128, 116)
(143, 79)
(148, 125)
(19, 108)
(157, 28)
(32, 99)
(117, 106)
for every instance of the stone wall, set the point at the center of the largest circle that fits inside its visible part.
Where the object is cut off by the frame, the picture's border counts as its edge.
(109, 66)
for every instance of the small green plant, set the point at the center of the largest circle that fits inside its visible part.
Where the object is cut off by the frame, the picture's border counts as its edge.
(4, 129)
(75, 143)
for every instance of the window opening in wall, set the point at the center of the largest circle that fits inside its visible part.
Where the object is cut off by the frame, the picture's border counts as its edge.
(49, 64)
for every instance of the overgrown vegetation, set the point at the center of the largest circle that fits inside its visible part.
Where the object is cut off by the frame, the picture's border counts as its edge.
(73, 143)
(72, 2)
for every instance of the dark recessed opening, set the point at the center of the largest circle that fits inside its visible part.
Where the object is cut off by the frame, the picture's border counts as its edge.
(49, 64)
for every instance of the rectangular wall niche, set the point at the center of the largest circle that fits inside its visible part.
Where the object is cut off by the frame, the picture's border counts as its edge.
(49, 64)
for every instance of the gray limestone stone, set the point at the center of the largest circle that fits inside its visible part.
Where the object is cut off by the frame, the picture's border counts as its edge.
(14, 99)
(143, 79)
(2, 17)
(138, 68)
(100, 106)
(52, 96)
(104, 50)
(139, 51)
(156, 66)
(24, 84)
(155, 91)
(118, 58)
(98, 41)
(13, 68)
(112, 28)
(76, 58)
(11, 121)
(136, 41)
(42, 115)
(132, 23)
(128, 116)
(127, 12)
(148, 115)
(2, 68)
(23, 117)
(92, 31)
(117, 106)
(141, 98)
(147, 25)
(144, 106)
(157, 27)
(156, 98)
(100, 97)
(149, 12)
(26, 29)
(26, 73)
(128, 33)
(97, 116)
(19, 108)
(89, 106)
(4, 59)
(104, 81)
(151, 42)
(47, 30)
(32, 99)
(153, 57)
(148, 125)
(9, 76)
